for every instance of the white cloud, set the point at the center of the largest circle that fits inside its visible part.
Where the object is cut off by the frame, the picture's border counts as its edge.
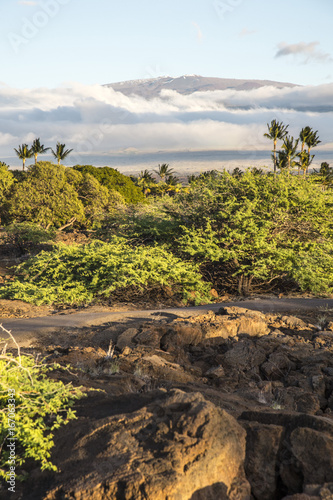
(308, 52)
(199, 32)
(246, 32)
(96, 119)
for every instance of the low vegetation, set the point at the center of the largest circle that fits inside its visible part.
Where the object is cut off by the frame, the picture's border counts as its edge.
(79, 274)
(151, 236)
(43, 406)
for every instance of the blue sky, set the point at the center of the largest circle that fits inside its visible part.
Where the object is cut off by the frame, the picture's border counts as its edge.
(45, 43)
(55, 54)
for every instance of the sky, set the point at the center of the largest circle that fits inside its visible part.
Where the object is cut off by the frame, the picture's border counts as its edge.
(55, 54)
(49, 42)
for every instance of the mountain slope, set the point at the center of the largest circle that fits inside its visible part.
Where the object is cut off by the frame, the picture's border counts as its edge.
(189, 84)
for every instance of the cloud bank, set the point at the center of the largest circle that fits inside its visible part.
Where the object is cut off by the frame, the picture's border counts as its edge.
(98, 120)
(308, 52)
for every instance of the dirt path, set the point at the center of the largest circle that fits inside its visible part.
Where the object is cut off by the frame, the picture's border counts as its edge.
(27, 331)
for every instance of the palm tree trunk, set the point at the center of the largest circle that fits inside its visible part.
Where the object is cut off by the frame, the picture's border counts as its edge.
(275, 157)
(307, 167)
(23, 161)
(36, 155)
(301, 158)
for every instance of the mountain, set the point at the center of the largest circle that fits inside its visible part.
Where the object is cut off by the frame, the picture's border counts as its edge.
(188, 84)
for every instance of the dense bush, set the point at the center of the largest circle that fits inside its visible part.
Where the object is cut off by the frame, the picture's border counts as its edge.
(40, 404)
(143, 223)
(114, 180)
(243, 233)
(26, 235)
(258, 230)
(44, 197)
(6, 180)
(82, 273)
(97, 200)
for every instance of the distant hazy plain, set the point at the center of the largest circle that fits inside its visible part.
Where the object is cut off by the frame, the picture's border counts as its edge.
(183, 162)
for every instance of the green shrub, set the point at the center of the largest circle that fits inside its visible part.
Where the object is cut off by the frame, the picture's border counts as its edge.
(79, 274)
(114, 180)
(32, 407)
(6, 181)
(144, 223)
(258, 230)
(98, 201)
(26, 235)
(44, 197)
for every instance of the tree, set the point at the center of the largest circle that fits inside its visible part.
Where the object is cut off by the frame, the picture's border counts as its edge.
(38, 148)
(114, 181)
(44, 197)
(281, 160)
(325, 175)
(312, 141)
(146, 175)
(172, 180)
(257, 232)
(276, 131)
(304, 162)
(303, 137)
(23, 152)
(6, 180)
(290, 148)
(97, 200)
(164, 171)
(325, 169)
(145, 180)
(61, 153)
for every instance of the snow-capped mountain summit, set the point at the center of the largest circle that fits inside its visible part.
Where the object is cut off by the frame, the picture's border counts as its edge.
(188, 84)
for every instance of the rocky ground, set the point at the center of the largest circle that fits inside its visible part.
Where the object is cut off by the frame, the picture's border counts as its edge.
(233, 405)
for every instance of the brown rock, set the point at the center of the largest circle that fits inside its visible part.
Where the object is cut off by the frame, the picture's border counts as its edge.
(262, 447)
(307, 403)
(253, 325)
(277, 366)
(222, 326)
(126, 338)
(301, 496)
(214, 293)
(248, 322)
(179, 447)
(293, 322)
(244, 355)
(150, 336)
(314, 453)
(215, 372)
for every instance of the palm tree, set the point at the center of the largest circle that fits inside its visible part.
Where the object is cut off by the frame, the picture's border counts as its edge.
(172, 180)
(23, 152)
(303, 137)
(164, 171)
(61, 153)
(325, 175)
(192, 178)
(325, 169)
(290, 150)
(304, 162)
(281, 160)
(276, 130)
(312, 141)
(146, 175)
(38, 148)
(145, 181)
